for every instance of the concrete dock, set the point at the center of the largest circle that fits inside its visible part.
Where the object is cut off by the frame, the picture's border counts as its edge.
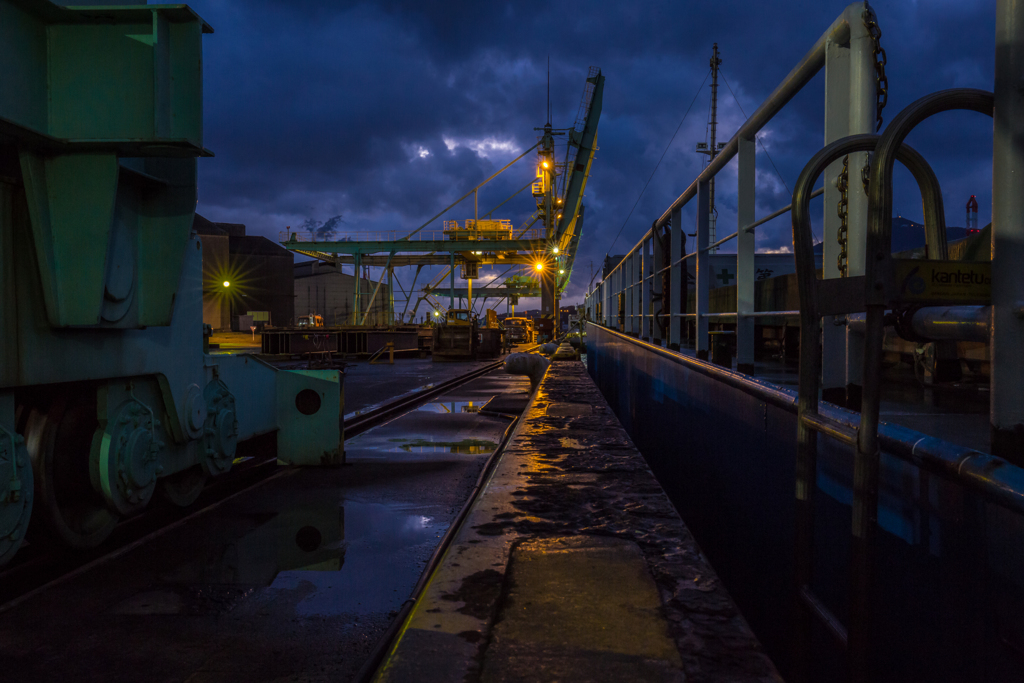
(573, 565)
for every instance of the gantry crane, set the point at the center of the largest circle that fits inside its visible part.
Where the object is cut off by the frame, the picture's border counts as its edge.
(548, 251)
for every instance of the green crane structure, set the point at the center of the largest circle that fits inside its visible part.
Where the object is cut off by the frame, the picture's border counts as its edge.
(547, 250)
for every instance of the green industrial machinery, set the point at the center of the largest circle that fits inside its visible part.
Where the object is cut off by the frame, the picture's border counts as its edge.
(106, 394)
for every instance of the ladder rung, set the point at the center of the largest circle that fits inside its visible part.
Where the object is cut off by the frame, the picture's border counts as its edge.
(824, 615)
(830, 427)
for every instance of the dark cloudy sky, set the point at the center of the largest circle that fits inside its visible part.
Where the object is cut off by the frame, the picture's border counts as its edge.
(385, 112)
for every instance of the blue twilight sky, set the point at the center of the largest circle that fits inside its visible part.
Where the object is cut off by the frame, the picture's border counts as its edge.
(385, 112)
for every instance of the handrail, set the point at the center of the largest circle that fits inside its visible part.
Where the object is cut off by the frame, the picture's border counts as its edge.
(996, 480)
(879, 237)
(801, 74)
(759, 222)
(797, 78)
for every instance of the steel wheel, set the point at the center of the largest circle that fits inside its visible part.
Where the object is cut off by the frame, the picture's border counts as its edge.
(183, 488)
(69, 511)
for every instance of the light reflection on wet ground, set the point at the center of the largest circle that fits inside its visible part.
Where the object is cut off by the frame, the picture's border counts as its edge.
(466, 446)
(289, 581)
(380, 561)
(452, 407)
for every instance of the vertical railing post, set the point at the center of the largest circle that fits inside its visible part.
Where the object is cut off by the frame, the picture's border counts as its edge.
(703, 268)
(1007, 402)
(745, 248)
(627, 290)
(863, 87)
(635, 292)
(849, 110)
(645, 291)
(657, 293)
(677, 305)
(837, 125)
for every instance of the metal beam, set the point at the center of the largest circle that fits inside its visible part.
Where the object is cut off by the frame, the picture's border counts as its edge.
(399, 261)
(416, 246)
(490, 292)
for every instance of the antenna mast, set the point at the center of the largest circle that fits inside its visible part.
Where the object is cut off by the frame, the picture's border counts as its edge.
(549, 92)
(713, 152)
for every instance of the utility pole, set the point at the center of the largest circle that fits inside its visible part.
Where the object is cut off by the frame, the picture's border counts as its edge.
(711, 149)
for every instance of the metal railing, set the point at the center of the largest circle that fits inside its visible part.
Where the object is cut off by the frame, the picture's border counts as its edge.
(655, 310)
(649, 287)
(863, 278)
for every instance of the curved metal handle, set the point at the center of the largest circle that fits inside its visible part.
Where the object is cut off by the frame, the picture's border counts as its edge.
(880, 191)
(803, 246)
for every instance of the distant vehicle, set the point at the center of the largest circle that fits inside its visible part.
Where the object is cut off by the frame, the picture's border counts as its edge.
(311, 320)
(545, 330)
(458, 316)
(519, 330)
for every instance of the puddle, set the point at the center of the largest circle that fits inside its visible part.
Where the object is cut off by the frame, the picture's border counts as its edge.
(466, 446)
(340, 557)
(453, 406)
(386, 549)
(252, 549)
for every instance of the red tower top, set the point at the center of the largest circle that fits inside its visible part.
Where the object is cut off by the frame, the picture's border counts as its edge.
(972, 215)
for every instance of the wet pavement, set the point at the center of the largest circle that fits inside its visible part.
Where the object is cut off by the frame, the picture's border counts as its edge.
(294, 580)
(367, 386)
(573, 564)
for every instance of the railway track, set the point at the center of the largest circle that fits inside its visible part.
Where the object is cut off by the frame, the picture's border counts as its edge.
(35, 569)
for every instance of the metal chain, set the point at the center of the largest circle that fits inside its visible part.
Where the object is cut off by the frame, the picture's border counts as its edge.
(842, 183)
(881, 80)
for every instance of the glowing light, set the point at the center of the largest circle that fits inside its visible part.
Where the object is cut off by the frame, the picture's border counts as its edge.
(544, 164)
(539, 266)
(227, 284)
(561, 272)
(436, 314)
(554, 250)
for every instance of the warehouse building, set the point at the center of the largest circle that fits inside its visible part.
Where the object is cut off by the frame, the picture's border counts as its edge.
(247, 279)
(324, 289)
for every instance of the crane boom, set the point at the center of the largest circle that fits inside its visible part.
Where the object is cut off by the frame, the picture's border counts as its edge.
(585, 142)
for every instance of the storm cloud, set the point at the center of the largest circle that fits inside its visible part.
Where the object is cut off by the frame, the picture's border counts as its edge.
(383, 113)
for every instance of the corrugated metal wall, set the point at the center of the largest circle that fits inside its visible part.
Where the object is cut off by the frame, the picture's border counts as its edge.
(332, 295)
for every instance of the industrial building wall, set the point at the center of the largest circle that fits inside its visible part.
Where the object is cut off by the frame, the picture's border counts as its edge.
(265, 280)
(332, 295)
(216, 265)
